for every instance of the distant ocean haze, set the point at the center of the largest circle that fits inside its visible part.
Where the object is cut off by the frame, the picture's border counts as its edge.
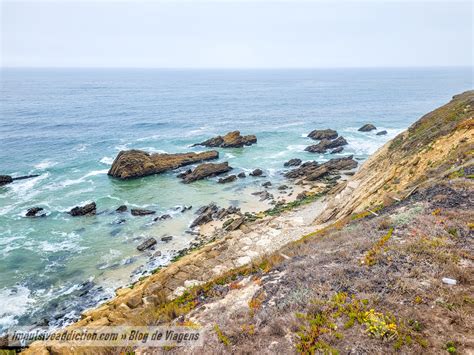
(67, 125)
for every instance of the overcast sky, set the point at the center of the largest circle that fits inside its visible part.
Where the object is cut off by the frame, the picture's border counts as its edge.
(240, 34)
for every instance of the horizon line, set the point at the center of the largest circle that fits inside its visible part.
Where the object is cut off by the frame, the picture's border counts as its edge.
(240, 68)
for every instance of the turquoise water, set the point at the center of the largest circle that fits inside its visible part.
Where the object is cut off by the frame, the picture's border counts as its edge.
(67, 125)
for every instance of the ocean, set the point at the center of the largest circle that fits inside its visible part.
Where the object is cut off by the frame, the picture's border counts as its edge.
(67, 125)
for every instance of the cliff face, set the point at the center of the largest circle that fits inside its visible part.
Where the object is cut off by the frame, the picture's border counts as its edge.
(437, 145)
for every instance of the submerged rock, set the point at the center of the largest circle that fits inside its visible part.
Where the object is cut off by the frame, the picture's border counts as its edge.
(241, 175)
(267, 184)
(5, 179)
(33, 212)
(206, 170)
(227, 179)
(137, 163)
(367, 128)
(319, 134)
(87, 210)
(293, 162)
(167, 238)
(141, 212)
(162, 218)
(381, 133)
(231, 140)
(326, 144)
(147, 244)
(256, 172)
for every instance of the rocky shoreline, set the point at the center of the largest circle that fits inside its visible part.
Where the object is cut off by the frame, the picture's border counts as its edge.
(211, 222)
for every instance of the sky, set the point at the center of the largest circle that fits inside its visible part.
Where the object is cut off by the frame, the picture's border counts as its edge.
(236, 34)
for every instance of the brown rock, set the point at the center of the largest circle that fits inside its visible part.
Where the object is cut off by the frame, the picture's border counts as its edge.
(293, 162)
(86, 210)
(227, 179)
(141, 212)
(256, 172)
(319, 134)
(367, 128)
(235, 224)
(326, 144)
(312, 170)
(136, 163)
(147, 244)
(206, 170)
(230, 140)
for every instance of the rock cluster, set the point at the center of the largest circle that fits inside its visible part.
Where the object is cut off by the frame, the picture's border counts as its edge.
(326, 144)
(203, 171)
(137, 163)
(212, 212)
(230, 140)
(313, 170)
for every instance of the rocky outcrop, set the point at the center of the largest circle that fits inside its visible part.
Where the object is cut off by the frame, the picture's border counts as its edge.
(437, 145)
(293, 162)
(256, 172)
(381, 133)
(227, 179)
(230, 140)
(319, 134)
(206, 170)
(212, 212)
(367, 128)
(33, 212)
(5, 179)
(147, 244)
(312, 170)
(87, 210)
(141, 212)
(121, 209)
(326, 144)
(337, 150)
(137, 163)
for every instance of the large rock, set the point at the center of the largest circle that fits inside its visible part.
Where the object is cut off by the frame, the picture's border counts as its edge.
(230, 140)
(381, 133)
(319, 134)
(313, 171)
(256, 172)
(86, 210)
(367, 128)
(147, 244)
(206, 170)
(326, 144)
(5, 179)
(33, 212)
(136, 163)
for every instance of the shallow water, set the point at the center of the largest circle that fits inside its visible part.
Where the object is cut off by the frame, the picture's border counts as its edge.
(68, 125)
